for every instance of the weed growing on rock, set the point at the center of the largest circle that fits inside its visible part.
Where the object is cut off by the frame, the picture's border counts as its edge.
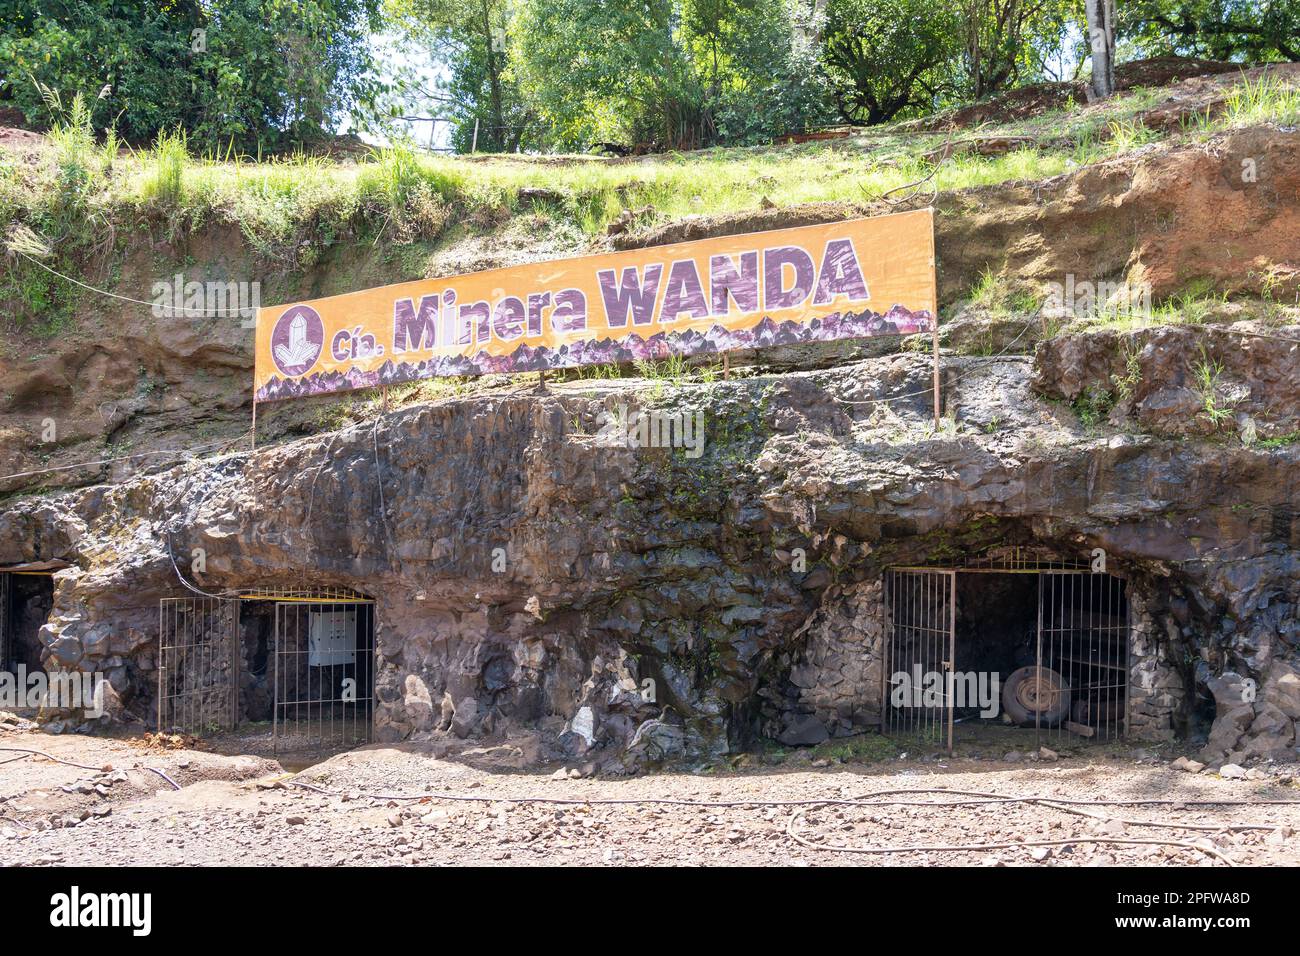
(1093, 406)
(1207, 373)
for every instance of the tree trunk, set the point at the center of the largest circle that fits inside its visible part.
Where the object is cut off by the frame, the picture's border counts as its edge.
(1101, 37)
(496, 136)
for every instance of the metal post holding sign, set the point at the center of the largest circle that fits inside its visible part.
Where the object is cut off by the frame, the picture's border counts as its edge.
(934, 297)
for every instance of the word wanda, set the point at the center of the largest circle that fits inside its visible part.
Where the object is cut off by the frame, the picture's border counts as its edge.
(782, 277)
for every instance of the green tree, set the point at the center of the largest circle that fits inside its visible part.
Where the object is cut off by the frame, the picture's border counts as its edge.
(670, 73)
(276, 73)
(608, 71)
(140, 48)
(259, 74)
(774, 81)
(471, 38)
(1243, 30)
(1004, 41)
(887, 57)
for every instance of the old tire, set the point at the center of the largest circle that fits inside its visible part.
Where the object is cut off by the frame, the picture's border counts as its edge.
(1036, 693)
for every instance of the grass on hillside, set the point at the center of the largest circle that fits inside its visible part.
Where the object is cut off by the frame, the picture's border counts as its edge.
(84, 199)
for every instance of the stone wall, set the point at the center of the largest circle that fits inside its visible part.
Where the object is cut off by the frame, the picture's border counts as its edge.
(1157, 691)
(625, 566)
(833, 688)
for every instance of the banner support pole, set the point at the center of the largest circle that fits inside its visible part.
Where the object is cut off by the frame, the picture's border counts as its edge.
(934, 296)
(253, 431)
(936, 375)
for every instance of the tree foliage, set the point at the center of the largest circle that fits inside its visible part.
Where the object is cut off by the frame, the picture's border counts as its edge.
(571, 74)
(477, 95)
(259, 74)
(887, 57)
(1249, 30)
(669, 73)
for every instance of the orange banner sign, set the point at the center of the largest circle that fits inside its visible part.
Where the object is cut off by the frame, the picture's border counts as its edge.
(843, 280)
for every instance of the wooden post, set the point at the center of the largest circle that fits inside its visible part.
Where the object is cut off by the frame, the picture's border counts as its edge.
(254, 429)
(384, 395)
(726, 365)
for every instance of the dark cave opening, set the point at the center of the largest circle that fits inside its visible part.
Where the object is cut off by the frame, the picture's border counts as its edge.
(256, 635)
(26, 605)
(996, 632)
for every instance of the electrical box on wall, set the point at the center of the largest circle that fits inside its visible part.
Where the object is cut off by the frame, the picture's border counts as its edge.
(332, 638)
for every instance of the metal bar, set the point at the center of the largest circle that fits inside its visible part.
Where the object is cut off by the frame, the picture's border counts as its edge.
(1127, 635)
(1038, 656)
(6, 617)
(234, 610)
(275, 682)
(162, 662)
(887, 632)
(952, 655)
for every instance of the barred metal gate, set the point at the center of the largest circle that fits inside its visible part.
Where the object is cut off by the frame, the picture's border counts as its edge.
(1076, 683)
(919, 647)
(1083, 655)
(198, 666)
(324, 674)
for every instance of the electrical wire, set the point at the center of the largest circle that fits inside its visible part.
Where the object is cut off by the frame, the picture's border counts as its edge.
(978, 798)
(142, 454)
(125, 298)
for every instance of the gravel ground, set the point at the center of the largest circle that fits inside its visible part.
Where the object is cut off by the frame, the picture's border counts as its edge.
(244, 810)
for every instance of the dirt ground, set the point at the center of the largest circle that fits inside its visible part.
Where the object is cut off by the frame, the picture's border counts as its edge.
(122, 807)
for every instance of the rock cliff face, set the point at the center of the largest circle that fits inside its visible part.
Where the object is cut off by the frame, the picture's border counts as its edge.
(1216, 215)
(635, 605)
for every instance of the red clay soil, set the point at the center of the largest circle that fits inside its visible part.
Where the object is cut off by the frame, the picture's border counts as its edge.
(1028, 101)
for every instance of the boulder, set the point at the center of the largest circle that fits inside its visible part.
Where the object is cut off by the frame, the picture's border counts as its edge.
(419, 703)
(1271, 734)
(803, 731)
(656, 741)
(466, 717)
(1227, 731)
(1282, 689)
(66, 651)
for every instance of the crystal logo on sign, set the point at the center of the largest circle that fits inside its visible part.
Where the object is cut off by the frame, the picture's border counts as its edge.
(297, 339)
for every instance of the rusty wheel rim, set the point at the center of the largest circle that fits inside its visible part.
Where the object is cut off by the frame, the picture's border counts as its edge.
(1038, 693)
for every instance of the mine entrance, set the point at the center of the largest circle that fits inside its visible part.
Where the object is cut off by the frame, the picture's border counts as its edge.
(300, 661)
(198, 665)
(1043, 649)
(323, 674)
(26, 599)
